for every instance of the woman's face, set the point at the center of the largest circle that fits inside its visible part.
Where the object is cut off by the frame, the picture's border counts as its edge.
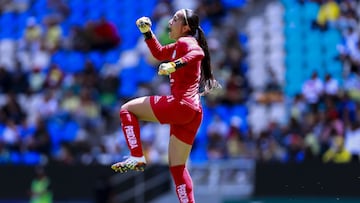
(177, 27)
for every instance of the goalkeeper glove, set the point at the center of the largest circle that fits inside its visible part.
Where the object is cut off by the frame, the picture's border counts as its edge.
(166, 68)
(144, 24)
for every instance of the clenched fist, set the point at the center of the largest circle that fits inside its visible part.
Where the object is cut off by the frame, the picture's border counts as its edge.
(166, 68)
(144, 24)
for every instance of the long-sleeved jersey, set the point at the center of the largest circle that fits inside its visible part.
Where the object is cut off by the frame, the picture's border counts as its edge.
(184, 82)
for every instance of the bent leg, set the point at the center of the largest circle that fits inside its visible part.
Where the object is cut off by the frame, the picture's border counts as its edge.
(130, 114)
(179, 152)
(141, 108)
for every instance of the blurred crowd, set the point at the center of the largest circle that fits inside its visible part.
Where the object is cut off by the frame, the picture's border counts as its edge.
(51, 111)
(51, 114)
(322, 120)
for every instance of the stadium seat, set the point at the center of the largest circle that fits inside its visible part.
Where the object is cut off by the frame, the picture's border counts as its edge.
(312, 40)
(70, 130)
(97, 59)
(146, 72)
(75, 62)
(111, 57)
(230, 4)
(8, 29)
(15, 158)
(55, 131)
(240, 111)
(31, 158)
(128, 82)
(310, 11)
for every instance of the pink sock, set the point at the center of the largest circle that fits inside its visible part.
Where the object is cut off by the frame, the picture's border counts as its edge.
(131, 129)
(183, 183)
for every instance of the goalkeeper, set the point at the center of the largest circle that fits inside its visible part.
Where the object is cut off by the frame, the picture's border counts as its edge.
(187, 64)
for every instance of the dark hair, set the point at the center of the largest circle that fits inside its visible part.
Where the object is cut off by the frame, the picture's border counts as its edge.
(207, 81)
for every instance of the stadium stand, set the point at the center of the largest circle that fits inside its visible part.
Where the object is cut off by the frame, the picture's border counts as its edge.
(264, 74)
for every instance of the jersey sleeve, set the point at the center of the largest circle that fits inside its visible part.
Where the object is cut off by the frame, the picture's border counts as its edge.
(158, 51)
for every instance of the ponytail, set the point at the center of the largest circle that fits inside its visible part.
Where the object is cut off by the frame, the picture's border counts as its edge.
(207, 81)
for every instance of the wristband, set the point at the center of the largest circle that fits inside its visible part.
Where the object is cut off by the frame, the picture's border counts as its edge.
(148, 35)
(179, 63)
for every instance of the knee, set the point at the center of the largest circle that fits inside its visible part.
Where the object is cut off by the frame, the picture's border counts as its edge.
(124, 107)
(124, 113)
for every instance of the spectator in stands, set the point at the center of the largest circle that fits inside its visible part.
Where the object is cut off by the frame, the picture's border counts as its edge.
(77, 40)
(352, 140)
(328, 13)
(333, 125)
(69, 104)
(234, 87)
(14, 6)
(36, 80)
(298, 108)
(217, 135)
(47, 106)
(59, 7)
(41, 140)
(4, 153)
(347, 19)
(104, 35)
(352, 85)
(337, 153)
(331, 86)
(213, 10)
(19, 80)
(52, 33)
(90, 76)
(88, 112)
(65, 154)
(351, 37)
(11, 136)
(311, 145)
(5, 80)
(347, 109)
(31, 39)
(355, 56)
(268, 149)
(12, 109)
(54, 77)
(312, 91)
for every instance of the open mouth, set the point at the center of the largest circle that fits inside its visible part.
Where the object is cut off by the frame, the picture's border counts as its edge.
(168, 29)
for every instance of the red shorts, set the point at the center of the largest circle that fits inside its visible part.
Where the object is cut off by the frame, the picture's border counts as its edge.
(184, 121)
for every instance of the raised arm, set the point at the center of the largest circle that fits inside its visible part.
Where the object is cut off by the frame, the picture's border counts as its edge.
(160, 52)
(157, 50)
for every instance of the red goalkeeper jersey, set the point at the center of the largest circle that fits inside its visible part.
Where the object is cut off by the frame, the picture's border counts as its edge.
(184, 82)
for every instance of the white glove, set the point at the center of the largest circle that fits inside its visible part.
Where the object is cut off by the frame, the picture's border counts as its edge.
(166, 68)
(144, 24)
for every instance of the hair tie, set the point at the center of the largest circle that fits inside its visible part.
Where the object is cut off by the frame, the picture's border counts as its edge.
(185, 17)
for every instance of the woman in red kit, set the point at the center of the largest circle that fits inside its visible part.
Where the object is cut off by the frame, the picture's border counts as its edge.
(187, 63)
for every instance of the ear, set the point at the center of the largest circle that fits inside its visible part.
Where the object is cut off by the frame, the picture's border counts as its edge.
(185, 28)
